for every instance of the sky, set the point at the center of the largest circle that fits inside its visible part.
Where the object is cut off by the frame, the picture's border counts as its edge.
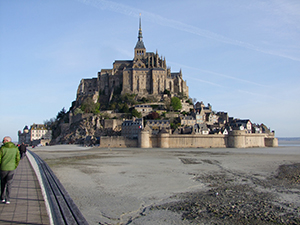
(242, 57)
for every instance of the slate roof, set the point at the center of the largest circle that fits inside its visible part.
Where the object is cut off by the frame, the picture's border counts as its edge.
(140, 44)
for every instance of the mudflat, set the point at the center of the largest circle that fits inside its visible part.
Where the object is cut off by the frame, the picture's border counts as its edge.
(180, 186)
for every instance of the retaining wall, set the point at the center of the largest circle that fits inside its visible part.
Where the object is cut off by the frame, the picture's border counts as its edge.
(117, 142)
(236, 139)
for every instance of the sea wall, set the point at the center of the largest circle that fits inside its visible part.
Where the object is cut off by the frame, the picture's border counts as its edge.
(271, 142)
(186, 141)
(240, 139)
(117, 142)
(236, 139)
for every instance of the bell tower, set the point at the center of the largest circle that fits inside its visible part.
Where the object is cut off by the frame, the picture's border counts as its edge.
(140, 49)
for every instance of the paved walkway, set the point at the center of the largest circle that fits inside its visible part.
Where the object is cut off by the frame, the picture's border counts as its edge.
(27, 204)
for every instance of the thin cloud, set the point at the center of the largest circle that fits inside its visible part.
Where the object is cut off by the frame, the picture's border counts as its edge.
(256, 94)
(220, 74)
(232, 78)
(207, 82)
(130, 11)
(288, 11)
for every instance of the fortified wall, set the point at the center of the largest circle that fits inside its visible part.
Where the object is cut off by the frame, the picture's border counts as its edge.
(117, 142)
(235, 139)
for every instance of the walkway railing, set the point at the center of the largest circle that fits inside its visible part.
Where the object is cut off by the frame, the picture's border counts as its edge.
(61, 208)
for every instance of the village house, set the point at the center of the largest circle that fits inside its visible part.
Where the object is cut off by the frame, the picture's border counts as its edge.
(186, 106)
(143, 109)
(211, 118)
(187, 121)
(200, 117)
(238, 124)
(157, 125)
(131, 128)
(201, 128)
(37, 134)
(222, 118)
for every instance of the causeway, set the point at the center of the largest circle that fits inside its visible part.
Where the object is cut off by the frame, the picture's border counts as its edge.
(27, 204)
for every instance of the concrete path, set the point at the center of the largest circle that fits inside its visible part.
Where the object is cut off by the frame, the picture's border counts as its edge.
(27, 204)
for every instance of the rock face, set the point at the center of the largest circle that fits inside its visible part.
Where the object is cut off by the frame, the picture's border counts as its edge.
(85, 130)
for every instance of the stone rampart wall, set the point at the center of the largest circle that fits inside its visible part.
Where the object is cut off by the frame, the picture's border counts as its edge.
(234, 140)
(271, 142)
(187, 141)
(254, 140)
(237, 139)
(197, 141)
(153, 141)
(117, 142)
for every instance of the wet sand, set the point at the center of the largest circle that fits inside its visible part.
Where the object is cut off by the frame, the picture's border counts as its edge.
(149, 186)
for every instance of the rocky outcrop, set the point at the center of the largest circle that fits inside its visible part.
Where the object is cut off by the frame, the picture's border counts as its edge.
(85, 130)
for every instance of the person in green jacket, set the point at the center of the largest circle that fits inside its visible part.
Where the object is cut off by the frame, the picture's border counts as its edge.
(9, 161)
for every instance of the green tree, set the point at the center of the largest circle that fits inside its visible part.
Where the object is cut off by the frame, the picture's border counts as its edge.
(135, 113)
(88, 106)
(113, 106)
(96, 108)
(176, 103)
(124, 108)
(78, 111)
(47, 123)
(144, 100)
(61, 114)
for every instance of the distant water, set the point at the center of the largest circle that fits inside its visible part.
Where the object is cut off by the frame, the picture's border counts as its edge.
(289, 141)
(288, 145)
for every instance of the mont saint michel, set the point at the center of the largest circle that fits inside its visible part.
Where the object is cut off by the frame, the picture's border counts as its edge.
(142, 103)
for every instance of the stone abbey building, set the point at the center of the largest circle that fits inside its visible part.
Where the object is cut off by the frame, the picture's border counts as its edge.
(146, 75)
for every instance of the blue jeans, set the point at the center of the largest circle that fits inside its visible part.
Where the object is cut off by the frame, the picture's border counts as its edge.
(6, 184)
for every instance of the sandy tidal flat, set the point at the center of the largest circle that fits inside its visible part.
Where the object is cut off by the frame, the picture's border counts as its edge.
(180, 186)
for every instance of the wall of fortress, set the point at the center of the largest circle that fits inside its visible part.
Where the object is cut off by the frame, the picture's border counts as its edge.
(197, 141)
(117, 142)
(236, 139)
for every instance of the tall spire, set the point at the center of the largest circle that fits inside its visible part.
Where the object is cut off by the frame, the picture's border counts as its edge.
(140, 37)
(140, 43)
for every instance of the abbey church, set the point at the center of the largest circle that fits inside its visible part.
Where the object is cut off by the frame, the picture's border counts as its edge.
(146, 75)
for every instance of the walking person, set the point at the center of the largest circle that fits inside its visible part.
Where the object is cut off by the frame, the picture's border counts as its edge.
(9, 161)
(22, 149)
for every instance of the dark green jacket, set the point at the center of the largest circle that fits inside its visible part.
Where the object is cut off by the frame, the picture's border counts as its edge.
(9, 157)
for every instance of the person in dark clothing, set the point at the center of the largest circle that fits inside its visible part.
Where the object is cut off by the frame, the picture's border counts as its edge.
(22, 149)
(9, 161)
